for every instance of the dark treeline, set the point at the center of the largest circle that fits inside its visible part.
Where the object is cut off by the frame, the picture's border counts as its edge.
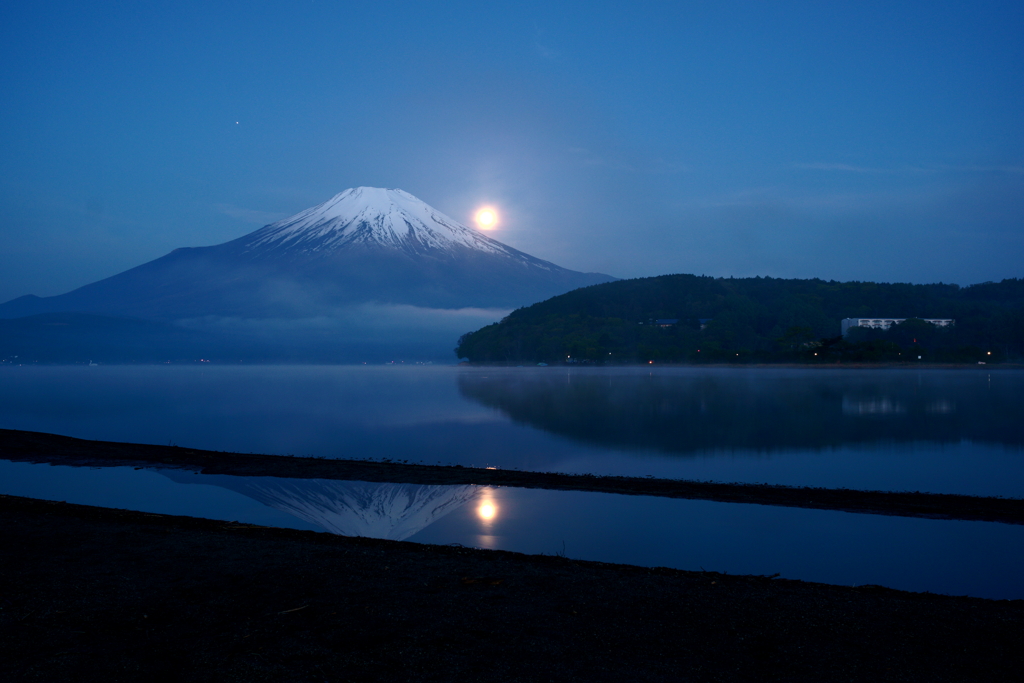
(757, 320)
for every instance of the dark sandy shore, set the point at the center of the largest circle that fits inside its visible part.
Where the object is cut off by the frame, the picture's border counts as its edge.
(61, 450)
(92, 594)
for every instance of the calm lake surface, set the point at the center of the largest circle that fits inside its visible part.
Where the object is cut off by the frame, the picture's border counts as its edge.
(956, 431)
(981, 559)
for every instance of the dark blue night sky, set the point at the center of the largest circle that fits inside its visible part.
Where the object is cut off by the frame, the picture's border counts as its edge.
(852, 141)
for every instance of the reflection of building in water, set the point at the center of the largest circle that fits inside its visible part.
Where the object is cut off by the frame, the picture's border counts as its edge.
(940, 407)
(872, 406)
(347, 508)
(886, 323)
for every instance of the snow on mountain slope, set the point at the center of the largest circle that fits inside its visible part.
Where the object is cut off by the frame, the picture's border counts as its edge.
(373, 215)
(364, 245)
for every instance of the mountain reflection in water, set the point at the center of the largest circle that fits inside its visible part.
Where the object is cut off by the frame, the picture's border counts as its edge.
(348, 508)
(693, 410)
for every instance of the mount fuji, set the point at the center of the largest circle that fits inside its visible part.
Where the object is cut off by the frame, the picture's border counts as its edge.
(364, 245)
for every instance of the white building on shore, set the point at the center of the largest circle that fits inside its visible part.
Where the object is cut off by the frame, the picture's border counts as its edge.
(886, 323)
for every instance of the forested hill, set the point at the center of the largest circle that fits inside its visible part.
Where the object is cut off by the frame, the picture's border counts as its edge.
(759, 319)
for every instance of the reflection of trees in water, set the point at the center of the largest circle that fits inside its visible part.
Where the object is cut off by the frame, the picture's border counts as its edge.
(701, 410)
(348, 508)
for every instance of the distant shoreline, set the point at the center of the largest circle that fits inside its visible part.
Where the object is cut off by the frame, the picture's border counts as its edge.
(788, 365)
(500, 364)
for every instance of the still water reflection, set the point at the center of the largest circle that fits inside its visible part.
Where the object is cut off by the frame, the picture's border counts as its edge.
(348, 508)
(694, 410)
(936, 430)
(953, 557)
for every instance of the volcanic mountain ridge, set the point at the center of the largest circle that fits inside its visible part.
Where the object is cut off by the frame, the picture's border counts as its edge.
(364, 245)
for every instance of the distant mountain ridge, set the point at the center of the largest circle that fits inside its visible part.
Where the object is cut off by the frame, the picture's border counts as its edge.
(362, 245)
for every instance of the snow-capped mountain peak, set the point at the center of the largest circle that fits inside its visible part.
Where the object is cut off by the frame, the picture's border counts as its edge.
(372, 216)
(364, 245)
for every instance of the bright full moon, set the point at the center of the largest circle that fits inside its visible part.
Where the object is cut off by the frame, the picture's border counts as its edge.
(486, 218)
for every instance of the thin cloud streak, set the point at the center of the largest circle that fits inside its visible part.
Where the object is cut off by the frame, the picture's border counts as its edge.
(941, 168)
(540, 48)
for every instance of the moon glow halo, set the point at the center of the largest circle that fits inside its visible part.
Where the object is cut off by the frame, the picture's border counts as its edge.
(487, 218)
